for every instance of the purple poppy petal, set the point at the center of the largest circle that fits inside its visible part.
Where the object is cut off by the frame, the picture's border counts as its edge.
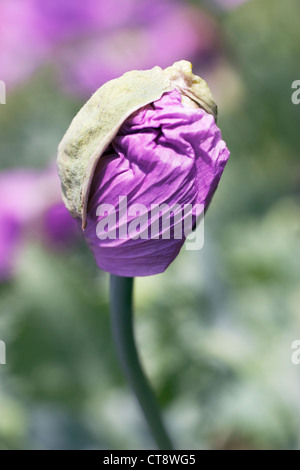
(163, 153)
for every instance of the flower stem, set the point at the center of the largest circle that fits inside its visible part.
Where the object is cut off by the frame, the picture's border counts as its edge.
(121, 293)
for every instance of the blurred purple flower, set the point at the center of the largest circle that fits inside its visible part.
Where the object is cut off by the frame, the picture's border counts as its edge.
(59, 227)
(94, 41)
(157, 33)
(163, 154)
(9, 241)
(31, 207)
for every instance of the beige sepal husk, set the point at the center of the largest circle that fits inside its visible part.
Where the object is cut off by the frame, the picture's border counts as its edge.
(98, 121)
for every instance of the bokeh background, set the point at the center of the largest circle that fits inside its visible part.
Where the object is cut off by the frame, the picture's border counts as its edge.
(215, 330)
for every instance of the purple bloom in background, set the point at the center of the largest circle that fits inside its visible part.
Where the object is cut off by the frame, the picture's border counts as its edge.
(59, 226)
(9, 240)
(31, 207)
(94, 41)
(163, 153)
(22, 47)
(157, 33)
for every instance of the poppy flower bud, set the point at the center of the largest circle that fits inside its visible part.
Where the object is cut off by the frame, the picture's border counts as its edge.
(139, 164)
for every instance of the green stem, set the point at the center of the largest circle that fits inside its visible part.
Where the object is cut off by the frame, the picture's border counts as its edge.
(121, 293)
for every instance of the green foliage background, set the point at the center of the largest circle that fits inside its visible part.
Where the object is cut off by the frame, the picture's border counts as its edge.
(215, 330)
